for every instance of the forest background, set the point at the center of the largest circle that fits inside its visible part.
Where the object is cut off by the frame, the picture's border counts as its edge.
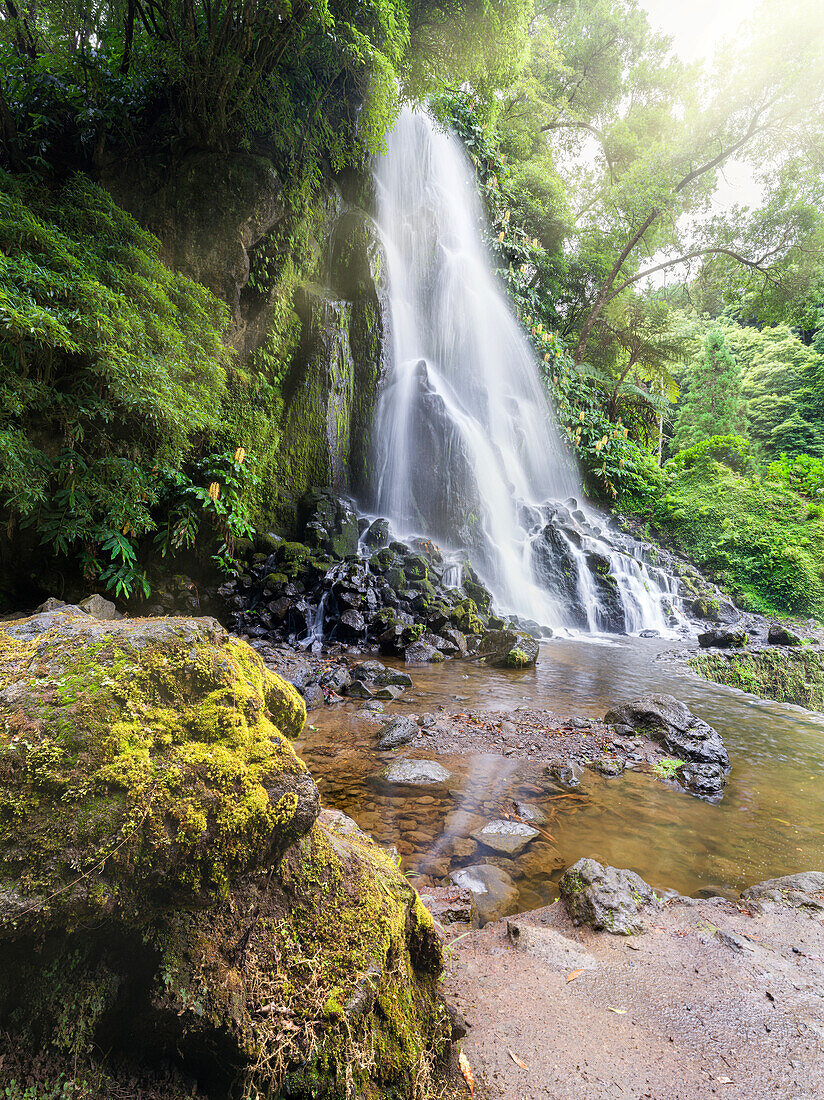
(682, 344)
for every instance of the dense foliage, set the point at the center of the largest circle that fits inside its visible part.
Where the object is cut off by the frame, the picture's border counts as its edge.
(750, 529)
(112, 369)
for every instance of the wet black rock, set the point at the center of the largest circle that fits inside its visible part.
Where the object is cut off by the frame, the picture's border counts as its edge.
(337, 679)
(565, 776)
(714, 610)
(399, 731)
(377, 535)
(781, 635)
(373, 672)
(722, 639)
(669, 722)
(332, 523)
(606, 898)
(419, 653)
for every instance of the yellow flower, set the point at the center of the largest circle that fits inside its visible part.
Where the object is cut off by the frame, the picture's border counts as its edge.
(501, 235)
(214, 490)
(240, 454)
(506, 217)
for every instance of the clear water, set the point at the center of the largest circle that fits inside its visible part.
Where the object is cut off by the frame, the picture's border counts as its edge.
(770, 821)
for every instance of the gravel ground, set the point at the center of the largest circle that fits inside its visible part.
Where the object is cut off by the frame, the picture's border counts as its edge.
(714, 1000)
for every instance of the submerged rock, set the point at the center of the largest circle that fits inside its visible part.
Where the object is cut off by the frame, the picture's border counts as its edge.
(509, 838)
(416, 773)
(399, 731)
(668, 721)
(606, 898)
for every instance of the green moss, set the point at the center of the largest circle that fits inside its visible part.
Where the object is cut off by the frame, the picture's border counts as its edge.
(465, 616)
(667, 767)
(788, 676)
(379, 948)
(518, 659)
(151, 754)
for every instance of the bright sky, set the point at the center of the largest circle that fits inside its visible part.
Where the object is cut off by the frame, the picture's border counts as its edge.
(697, 26)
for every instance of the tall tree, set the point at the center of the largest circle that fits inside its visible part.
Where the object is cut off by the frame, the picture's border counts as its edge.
(713, 404)
(640, 140)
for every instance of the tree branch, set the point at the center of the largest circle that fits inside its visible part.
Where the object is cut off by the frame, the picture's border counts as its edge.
(756, 265)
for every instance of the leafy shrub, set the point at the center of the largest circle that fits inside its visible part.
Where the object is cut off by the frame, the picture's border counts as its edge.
(111, 368)
(730, 450)
(803, 473)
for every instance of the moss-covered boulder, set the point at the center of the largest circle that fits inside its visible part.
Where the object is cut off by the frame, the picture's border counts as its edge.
(140, 758)
(168, 892)
(508, 649)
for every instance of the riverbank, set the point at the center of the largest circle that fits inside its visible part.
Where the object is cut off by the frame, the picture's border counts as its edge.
(791, 674)
(718, 997)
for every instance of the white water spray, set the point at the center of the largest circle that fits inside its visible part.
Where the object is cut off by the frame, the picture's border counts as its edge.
(466, 443)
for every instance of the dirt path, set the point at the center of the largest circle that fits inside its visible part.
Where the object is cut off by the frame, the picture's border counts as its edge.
(711, 1001)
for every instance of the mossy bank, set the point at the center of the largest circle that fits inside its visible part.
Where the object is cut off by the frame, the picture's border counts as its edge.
(170, 891)
(788, 675)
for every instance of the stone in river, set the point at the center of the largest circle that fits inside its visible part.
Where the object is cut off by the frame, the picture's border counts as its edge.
(416, 773)
(493, 891)
(606, 898)
(530, 813)
(507, 837)
(399, 731)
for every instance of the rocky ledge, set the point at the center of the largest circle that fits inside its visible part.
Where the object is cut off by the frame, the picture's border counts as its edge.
(348, 583)
(170, 890)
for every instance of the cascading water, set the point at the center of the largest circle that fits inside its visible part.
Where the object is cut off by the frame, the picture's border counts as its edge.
(467, 448)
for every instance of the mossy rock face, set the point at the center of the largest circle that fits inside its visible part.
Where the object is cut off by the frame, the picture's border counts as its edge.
(140, 761)
(317, 980)
(465, 617)
(167, 891)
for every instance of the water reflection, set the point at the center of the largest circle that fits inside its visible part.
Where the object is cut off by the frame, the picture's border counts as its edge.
(770, 822)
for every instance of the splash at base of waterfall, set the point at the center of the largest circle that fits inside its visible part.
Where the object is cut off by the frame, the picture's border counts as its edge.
(467, 450)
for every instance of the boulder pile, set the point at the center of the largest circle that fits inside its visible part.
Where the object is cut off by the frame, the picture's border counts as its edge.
(348, 582)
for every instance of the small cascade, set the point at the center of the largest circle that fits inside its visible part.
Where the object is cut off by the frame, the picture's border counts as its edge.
(467, 450)
(315, 632)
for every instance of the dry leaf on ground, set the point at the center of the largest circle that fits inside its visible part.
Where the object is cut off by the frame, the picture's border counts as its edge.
(466, 1070)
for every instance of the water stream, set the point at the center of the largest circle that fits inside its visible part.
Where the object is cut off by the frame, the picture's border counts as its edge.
(770, 821)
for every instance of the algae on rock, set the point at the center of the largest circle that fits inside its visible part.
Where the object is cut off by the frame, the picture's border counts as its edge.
(168, 892)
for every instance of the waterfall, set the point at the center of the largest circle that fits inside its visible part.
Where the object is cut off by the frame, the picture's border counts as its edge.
(467, 450)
